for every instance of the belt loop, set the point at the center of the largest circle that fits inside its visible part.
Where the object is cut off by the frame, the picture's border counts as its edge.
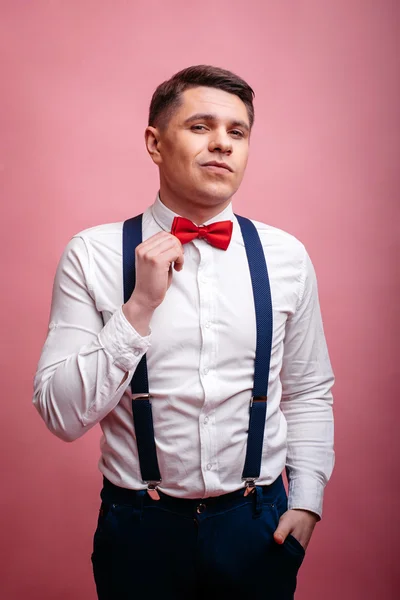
(258, 502)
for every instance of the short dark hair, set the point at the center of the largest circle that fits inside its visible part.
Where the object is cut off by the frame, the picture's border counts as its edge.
(167, 97)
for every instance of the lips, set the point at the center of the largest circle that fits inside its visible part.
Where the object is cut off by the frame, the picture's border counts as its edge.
(215, 163)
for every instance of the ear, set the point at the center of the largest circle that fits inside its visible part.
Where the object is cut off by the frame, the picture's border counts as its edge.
(152, 141)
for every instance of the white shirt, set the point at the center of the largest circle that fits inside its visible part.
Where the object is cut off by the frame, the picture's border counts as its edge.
(200, 356)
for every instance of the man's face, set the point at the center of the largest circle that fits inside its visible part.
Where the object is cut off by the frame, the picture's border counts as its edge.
(210, 125)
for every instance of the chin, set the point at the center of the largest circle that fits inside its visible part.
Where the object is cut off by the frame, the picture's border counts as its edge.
(216, 193)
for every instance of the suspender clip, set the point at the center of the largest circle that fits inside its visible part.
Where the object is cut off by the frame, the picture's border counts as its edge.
(250, 485)
(257, 399)
(141, 396)
(152, 489)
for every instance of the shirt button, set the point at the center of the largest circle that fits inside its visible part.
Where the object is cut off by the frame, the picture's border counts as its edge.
(208, 324)
(206, 371)
(209, 467)
(206, 419)
(136, 352)
(203, 280)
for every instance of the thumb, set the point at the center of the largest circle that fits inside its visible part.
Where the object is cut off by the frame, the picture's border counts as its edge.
(178, 263)
(282, 531)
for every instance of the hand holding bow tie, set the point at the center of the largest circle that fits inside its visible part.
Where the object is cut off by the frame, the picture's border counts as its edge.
(154, 259)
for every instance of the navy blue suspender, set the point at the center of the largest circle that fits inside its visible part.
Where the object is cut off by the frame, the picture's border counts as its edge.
(264, 323)
(141, 406)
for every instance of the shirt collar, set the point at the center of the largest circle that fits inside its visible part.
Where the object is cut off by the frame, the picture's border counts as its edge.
(164, 216)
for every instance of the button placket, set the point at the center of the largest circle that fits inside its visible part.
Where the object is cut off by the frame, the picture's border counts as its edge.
(206, 279)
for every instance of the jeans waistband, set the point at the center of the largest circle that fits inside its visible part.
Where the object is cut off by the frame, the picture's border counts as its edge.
(112, 494)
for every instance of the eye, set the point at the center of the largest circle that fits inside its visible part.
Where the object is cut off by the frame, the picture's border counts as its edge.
(237, 132)
(198, 127)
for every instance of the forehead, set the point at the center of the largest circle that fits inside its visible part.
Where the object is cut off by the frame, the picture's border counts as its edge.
(223, 105)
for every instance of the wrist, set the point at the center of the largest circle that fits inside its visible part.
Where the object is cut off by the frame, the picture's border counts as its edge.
(138, 314)
(312, 514)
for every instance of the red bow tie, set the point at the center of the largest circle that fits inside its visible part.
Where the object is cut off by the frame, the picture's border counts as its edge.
(217, 234)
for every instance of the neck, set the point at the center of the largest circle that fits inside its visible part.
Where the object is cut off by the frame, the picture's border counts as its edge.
(196, 211)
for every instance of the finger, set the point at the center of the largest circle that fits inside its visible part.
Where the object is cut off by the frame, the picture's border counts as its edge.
(282, 531)
(154, 240)
(159, 244)
(174, 255)
(164, 246)
(178, 264)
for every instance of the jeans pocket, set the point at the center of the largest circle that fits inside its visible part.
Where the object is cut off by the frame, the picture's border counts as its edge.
(294, 545)
(291, 552)
(291, 544)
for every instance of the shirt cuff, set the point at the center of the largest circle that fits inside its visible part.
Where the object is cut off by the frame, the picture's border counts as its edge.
(123, 342)
(306, 493)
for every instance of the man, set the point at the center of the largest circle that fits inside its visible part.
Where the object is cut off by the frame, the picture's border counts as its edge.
(203, 526)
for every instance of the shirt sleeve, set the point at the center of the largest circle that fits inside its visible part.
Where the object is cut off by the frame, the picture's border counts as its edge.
(83, 362)
(307, 379)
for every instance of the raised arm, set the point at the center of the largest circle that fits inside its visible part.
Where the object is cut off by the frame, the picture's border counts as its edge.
(86, 366)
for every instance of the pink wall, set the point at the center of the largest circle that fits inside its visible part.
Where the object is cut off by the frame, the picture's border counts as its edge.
(76, 81)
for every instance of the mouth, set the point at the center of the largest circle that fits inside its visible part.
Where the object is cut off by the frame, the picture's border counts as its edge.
(217, 166)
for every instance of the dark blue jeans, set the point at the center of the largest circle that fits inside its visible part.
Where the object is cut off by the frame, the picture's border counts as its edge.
(179, 549)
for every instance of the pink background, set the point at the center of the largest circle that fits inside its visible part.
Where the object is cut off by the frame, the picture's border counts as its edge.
(76, 81)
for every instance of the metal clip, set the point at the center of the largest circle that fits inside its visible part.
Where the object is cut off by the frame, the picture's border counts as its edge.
(141, 396)
(258, 399)
(152, 489)
(250, 486)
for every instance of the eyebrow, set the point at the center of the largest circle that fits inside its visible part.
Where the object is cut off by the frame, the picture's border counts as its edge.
(213, 118)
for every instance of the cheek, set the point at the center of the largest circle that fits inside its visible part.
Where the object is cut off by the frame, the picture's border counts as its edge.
(186, 146)
(182, 159)
(242, 163)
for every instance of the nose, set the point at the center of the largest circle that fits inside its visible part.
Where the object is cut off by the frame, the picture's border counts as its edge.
(221, 141)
